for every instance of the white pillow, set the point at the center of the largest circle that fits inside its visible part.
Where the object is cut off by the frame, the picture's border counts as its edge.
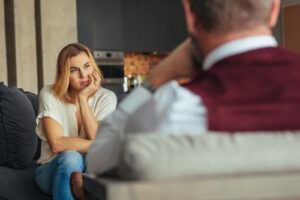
(155, 156)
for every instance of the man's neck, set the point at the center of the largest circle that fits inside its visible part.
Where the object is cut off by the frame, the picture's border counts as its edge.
(211, 41)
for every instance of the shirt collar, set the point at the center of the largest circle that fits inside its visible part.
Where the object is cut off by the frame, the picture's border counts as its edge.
(237, 47)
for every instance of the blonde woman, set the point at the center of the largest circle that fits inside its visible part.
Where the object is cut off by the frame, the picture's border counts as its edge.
(70, 112)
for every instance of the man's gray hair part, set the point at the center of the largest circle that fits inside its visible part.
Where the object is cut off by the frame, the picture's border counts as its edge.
(222, 16)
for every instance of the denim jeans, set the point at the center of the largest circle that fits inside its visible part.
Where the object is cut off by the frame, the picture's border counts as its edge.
(54, 177)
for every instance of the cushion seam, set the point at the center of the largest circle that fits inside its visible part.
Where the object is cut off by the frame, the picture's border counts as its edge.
(4, 131)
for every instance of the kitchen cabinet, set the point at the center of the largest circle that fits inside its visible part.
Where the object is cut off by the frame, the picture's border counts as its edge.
(131, 25)
(162, 25)
(173, 24)
(100, 24)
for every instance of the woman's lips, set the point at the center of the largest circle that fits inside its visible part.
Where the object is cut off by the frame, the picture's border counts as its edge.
(85, 83)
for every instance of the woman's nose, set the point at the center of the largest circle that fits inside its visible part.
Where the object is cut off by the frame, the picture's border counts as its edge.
(83, 73)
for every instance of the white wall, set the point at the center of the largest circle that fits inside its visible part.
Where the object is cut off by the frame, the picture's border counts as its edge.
(3, 64)
(38, 31)
(58, 28)
(25, 45)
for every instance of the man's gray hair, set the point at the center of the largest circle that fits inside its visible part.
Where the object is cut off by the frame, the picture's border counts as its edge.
(229, 15)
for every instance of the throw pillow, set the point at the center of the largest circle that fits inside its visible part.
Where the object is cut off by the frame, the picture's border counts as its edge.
(18, 141)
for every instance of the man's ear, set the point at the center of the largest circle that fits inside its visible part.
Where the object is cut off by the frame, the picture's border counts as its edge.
(191, 19)
(275, 9)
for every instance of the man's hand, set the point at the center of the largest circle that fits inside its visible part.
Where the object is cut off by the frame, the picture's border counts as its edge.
(180, 63)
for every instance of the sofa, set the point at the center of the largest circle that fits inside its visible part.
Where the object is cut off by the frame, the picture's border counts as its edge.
(19, 145)
(210, 166)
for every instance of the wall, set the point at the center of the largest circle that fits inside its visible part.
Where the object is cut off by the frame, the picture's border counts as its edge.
(278, 29)
(3, 65)
(58, 28)
(32, 32)
(289, 2)
(25, 45)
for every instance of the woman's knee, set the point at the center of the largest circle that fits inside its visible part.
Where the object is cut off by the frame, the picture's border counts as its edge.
(71, 160)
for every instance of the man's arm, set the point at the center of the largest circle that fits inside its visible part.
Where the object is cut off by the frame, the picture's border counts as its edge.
(170, 110)
(180, 63)
(104, 153)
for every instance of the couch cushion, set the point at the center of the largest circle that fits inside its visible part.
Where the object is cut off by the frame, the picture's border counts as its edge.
(20, 184)
(18, 141)
(34, 100)
(155, 156)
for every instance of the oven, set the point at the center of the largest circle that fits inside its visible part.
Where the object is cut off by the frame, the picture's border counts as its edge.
(111, 64)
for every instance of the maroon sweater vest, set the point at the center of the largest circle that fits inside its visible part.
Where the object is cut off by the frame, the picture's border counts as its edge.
(256, 90)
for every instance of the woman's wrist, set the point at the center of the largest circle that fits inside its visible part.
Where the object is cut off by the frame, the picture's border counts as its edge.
(82, 98)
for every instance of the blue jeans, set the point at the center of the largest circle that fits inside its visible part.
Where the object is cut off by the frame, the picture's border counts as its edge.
(54, 177)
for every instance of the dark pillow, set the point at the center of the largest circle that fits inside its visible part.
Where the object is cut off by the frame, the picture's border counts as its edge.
(34, 99)
(18, 141)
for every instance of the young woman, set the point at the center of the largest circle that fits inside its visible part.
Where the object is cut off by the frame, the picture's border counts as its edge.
(70, 112)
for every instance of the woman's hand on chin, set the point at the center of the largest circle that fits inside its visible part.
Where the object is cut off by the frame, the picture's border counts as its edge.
(92, 87)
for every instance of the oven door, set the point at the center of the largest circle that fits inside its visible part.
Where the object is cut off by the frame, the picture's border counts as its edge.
(113, 79)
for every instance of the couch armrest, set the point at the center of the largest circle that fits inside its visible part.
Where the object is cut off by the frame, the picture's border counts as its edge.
(259, 186)
(155, 156)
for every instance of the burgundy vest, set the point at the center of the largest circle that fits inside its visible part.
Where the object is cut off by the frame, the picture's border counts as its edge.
(256, 90)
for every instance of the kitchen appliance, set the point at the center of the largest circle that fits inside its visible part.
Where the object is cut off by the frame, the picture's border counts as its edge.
(111, 63)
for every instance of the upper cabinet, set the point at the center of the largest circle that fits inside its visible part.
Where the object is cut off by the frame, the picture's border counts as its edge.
(131, 25)
(99, 24)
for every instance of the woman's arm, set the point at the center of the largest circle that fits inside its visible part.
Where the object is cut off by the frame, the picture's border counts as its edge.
(89, 122)
(60, 143)
(180, 63)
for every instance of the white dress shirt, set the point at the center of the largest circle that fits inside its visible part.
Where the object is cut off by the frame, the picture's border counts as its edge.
(172, 109)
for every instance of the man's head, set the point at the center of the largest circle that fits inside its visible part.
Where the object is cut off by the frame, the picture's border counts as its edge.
(222, 18)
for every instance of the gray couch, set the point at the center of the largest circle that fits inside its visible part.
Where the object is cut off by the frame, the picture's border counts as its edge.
(17, 175)
(19, 184)
(211, 166)
(17, 172)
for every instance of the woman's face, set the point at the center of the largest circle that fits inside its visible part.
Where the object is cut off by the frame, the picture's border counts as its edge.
(80, 71)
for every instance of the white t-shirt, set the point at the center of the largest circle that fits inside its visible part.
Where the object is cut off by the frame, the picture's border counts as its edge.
(102, 103)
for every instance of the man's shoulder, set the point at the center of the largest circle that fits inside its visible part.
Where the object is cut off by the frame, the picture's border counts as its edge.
(263, 56)
(274, 53)
(287, 54)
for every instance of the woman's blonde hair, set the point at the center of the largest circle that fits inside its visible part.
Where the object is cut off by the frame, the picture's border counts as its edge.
(62, 80)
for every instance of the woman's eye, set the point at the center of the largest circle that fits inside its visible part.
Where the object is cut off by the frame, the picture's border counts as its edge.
(73, 70)
(86, 66)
